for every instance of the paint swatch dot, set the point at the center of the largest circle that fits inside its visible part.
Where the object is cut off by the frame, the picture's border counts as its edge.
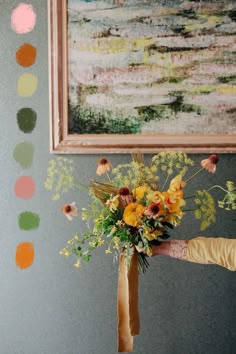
(23, 18)
(24, 255)
(28, 221)
(27, 85)
(26, 119)
(24, 187)
(23, 154)
(26, 55)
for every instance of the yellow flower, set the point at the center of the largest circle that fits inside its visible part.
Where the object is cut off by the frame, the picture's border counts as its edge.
(77, 264)
(133, 213)
(140, 192)
(113, 229)
(176, 185)
(152, 234)
(116, 241)
(154, 196)
(149, 251)
(84, 214)
(65, 252)
(113, 203)
(108, 251)
(120, 223)
(100, 242)
(174, 203)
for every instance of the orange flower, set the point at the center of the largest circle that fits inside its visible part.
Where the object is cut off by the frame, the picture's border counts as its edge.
(69, 210)
(133, 213)
(103, 166)
(210, 163)
(174, 203)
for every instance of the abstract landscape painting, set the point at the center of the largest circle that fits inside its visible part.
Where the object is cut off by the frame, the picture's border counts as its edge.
(152, 67)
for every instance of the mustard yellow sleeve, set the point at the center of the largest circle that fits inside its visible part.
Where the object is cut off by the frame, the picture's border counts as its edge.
(212, 250)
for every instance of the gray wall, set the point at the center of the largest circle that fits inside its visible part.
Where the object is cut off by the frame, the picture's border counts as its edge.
(52, 307)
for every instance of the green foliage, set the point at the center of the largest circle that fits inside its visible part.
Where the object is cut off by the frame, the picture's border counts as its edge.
(205, 209)
(172, 162)
(89, 120)
(134, 174)
(229, 200)
(59, 177)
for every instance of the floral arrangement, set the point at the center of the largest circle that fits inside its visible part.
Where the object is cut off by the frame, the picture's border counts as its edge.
(133, 209)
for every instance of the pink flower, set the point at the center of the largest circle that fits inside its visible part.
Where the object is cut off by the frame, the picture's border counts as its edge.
(152, 210)
(103, 166)
(125, 196)
(69, 210)
(210, 163)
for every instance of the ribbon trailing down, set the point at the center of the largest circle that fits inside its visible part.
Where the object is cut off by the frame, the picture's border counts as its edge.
(127, 304)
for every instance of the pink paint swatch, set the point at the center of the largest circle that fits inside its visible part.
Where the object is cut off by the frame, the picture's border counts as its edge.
(24, 187)
(23, 18)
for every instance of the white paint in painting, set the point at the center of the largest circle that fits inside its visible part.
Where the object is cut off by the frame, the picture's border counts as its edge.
(102, 60)
(77, 5)
(104, 100)
(193, 123)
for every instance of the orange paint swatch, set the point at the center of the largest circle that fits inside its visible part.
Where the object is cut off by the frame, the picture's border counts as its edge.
(24, 255)
(26, 55)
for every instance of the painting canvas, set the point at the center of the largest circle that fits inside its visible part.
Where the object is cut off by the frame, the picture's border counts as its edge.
(142, 75)
(140, 66)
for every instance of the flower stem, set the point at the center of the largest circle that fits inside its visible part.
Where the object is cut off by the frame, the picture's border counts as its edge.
(191, 196)
(217, 186)
(165, 182)
(108, 176)
(79, 185)
(194, 175)
(189, 210)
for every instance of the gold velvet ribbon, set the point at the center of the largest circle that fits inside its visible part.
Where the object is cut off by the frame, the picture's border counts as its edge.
(127, 304)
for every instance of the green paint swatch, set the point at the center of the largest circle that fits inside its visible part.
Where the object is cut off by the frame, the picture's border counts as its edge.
(26, 119)
(27, 85)
(28, 221)
(23, 154)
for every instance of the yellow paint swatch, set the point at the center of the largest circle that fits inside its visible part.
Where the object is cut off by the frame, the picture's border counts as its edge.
(27, 85)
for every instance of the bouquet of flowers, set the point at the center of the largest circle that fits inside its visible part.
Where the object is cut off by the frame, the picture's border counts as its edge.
(133, 209)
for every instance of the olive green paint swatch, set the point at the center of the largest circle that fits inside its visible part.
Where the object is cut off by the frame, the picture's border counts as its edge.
(26, 119)
(23, 154)
(28, 221)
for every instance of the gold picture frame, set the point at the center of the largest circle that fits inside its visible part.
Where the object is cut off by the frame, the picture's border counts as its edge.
(61, 141)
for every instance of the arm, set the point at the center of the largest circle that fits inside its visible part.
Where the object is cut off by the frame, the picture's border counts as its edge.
(174, 249)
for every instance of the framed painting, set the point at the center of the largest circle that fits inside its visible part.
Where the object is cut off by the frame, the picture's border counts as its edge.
(142, 75)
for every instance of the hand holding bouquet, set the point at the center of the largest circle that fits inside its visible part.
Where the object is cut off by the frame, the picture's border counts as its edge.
(132, 208)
